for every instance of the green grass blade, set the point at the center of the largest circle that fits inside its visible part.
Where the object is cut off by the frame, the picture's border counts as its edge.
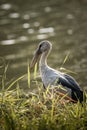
(67, 71)
(35, 71)
(65, 59)
(15, 81)
(29, 76)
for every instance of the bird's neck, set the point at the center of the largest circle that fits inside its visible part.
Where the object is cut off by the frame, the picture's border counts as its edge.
(43, 59)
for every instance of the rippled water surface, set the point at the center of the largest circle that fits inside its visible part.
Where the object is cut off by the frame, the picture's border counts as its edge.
(23, 24)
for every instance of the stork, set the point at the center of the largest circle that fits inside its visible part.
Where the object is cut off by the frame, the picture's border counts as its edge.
(51, 77)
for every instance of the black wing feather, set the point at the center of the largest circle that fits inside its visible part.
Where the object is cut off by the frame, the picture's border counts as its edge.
(69, 82)
(72, 81)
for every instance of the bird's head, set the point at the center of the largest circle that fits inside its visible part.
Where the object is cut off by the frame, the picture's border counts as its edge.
(43, 47)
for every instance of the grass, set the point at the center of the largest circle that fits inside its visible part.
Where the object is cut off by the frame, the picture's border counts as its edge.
(41, 110)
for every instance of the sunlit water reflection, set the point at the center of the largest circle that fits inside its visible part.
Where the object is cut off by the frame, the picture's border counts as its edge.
(24, 24)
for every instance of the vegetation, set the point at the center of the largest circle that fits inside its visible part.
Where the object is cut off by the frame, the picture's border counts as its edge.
(43, 110)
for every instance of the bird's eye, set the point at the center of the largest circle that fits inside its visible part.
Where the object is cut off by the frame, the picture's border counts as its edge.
(40, 46)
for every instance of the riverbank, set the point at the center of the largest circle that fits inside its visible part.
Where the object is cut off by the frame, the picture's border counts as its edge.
(42, 110)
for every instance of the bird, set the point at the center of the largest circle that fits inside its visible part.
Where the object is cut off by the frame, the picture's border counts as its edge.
(51, 77)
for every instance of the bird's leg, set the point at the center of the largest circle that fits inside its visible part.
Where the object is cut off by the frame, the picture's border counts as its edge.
(44, 86)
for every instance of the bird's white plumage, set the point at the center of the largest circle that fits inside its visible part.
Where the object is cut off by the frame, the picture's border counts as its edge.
(48, 75)
(50, 78)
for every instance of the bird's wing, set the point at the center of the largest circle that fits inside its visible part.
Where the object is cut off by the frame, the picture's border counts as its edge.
(69, 82)
(72, 81)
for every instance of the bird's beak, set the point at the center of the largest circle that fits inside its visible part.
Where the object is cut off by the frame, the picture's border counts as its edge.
(35, 58)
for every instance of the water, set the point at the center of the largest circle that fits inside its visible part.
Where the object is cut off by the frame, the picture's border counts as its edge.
(24, 24)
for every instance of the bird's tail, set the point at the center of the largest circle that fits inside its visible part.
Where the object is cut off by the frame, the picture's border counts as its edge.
(78, 96)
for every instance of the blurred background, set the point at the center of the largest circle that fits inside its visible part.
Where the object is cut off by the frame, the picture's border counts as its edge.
(23, 24)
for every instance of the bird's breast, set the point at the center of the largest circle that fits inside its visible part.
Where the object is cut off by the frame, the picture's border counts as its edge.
(48, 76)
